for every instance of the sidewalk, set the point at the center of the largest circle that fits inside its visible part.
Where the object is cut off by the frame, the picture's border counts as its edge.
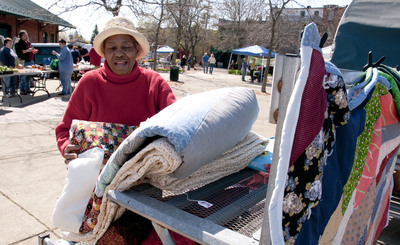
(32, 171)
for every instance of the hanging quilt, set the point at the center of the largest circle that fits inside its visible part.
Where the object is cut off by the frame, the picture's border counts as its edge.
(298, 181)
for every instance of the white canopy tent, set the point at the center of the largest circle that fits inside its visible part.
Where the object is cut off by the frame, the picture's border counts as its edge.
(165, 49)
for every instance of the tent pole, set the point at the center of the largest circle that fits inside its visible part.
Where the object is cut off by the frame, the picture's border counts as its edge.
(229, 64)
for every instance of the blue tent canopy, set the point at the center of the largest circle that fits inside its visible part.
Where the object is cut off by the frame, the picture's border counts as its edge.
(165, 49)
(254, 50)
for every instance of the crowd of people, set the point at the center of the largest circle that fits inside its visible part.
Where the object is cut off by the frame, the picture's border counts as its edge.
(73, 54)
(25, 53)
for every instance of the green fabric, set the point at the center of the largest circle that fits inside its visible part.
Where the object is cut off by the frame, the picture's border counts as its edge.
(373, 111)
(394, 90)
(390, 71)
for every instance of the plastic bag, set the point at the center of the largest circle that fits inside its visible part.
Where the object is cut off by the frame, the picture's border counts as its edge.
(54, 64)
(46, 61)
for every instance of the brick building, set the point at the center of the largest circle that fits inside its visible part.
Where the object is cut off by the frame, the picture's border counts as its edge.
(41, 25)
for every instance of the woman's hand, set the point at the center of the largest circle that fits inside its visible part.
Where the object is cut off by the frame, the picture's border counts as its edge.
(71, 153)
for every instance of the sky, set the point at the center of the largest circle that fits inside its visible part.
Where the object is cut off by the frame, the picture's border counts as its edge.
(85, 19)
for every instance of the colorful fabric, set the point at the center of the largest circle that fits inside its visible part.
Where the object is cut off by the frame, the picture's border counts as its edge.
(298, 186)
(394, 91)
(102, 96)
(331, 228)
(308, 46)
(376, 176)
(263, 161)
(312, 110)
(379, 216)
(373, 111)
(339, 169)
(388, 116)
(303, 189)
(391, 139)
(359, 219)
(107, 136)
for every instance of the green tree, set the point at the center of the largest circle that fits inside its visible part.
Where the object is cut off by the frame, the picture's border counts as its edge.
(94, 33)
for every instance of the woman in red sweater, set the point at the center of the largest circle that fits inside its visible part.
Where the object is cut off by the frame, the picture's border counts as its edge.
(120, 92)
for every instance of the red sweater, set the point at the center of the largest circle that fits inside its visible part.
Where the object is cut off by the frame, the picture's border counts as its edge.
(102, 96)
(95, 58)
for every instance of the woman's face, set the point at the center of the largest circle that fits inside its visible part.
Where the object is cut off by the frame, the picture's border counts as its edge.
(120, 52)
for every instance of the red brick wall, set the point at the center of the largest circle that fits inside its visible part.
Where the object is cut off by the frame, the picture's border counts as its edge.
(35, 29)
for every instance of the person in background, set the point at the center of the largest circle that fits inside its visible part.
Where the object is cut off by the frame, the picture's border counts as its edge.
(7, 58)
(95, 58)
(84, 54)
(244, 69)
(24, 51)
(212, 62)
(119, 92)
(183, 62)
(65, 67)
(205, 59)
(75, 54)
(252, 68)
(189, 62)
(169, 57)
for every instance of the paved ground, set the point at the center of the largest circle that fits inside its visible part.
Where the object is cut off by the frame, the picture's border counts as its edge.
(32, 171)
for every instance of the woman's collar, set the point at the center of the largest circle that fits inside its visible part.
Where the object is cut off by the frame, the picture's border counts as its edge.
(133, 75)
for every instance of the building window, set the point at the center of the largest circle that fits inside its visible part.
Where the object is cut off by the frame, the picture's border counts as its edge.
(45, 37)
(302, 13)
(52, 37)
(316, 13)
(5, 30)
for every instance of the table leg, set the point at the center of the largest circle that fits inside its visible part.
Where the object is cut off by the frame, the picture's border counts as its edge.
(163, 233)
(40, 84)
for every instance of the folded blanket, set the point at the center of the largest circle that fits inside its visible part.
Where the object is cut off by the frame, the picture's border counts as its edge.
(153, 165)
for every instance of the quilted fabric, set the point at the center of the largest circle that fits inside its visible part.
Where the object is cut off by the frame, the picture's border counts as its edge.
(222, 116)
(303, 189)
(308, 134)
(287, 137)
(107, 136)
(373, 110)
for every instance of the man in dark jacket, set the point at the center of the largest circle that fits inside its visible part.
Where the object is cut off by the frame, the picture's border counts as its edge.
(84, 54)
(24, 51)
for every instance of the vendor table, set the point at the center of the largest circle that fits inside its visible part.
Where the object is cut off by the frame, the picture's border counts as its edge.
(39, 78)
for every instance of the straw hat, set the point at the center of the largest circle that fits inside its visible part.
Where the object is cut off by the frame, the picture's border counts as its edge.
(121, 25)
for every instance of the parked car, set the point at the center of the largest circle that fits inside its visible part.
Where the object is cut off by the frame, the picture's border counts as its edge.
(45, 51)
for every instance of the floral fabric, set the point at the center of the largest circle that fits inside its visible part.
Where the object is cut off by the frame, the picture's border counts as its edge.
(303, 187)
(97, 134)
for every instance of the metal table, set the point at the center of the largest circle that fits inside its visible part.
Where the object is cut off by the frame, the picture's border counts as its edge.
(235, 216)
